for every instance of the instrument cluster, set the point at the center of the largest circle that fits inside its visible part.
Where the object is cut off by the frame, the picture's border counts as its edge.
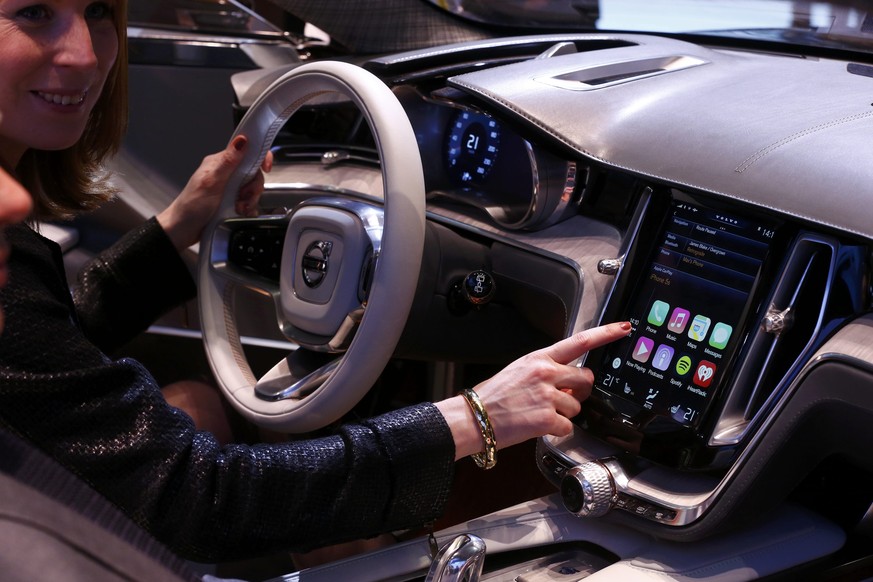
(474, 158)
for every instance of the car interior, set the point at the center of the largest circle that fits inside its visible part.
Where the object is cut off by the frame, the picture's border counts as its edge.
(487, 198)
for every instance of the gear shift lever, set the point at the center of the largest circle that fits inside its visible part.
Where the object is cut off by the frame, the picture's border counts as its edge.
(459, 560)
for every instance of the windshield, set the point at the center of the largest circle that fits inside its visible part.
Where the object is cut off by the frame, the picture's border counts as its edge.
(845, 24)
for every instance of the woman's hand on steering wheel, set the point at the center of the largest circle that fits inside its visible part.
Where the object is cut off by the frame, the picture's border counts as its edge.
(186, 217)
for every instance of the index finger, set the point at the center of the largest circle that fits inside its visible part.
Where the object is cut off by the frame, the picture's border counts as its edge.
(573, 347)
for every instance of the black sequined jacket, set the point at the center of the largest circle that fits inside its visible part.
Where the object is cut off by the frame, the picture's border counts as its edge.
(107, 421)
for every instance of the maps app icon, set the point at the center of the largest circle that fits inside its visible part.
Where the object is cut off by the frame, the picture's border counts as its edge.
(699, 327)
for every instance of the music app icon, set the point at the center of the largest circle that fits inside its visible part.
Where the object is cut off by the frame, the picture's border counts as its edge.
(678, 320)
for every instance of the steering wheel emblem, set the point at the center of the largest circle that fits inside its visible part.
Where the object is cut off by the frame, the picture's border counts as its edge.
(315, 263)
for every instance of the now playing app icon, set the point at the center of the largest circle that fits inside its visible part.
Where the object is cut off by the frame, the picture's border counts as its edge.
(643, 350)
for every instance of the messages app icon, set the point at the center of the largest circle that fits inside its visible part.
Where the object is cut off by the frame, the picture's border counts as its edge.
(658, 313)
(721, 333)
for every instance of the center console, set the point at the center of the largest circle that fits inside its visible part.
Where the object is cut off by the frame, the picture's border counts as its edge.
(726, 307)
(691, 306)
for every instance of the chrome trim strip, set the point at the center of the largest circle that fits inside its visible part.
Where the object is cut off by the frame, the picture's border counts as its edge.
(245, 340)
(734, 423)
(192, 38)
(594, 77)
(488, 44)
(630, 238)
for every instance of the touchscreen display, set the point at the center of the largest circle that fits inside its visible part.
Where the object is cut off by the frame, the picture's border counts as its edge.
(686, 313)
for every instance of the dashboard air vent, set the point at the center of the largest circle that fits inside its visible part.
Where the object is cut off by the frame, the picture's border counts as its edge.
(600, 76)
(780, 344)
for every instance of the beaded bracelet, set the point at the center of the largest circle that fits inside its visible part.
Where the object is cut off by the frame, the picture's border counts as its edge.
(488, 458)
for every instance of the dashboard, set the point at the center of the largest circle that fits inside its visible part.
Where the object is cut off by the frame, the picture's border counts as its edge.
(694, 191)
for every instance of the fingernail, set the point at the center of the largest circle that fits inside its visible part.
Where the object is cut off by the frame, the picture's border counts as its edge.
(625, 325)
(239, 142)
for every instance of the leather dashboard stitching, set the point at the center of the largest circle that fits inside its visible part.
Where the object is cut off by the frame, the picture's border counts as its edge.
(754, 158)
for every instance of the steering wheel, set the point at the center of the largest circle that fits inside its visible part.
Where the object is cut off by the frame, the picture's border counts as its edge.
(348, 268)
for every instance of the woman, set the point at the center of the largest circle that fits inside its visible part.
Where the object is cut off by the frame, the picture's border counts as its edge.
(62, 89)
(46, 511)
(15, 206)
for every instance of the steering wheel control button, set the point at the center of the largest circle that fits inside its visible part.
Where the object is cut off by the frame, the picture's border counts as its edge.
(258, 250)
(588, 490)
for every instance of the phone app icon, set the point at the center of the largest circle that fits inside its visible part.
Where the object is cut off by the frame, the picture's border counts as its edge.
(643, 349)
(721, 333)
(704, 373)
(683, 365)
(658, 313)
(678, 320)
(699, 327)
(663, 357)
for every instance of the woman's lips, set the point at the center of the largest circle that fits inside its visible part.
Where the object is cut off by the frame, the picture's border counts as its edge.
(62, 99)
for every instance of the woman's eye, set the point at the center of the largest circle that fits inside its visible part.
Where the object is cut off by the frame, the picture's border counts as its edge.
(34, 13)
(99, 11)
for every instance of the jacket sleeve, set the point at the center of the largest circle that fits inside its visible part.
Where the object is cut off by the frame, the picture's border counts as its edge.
(129, 285)
(108, 422)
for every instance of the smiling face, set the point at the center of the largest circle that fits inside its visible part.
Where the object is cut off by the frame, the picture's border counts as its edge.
(55, 56)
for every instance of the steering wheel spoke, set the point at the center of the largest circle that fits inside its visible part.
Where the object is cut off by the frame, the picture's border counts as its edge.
(295, 376)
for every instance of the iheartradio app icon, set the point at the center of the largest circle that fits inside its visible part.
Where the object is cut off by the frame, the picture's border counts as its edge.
(704, 373)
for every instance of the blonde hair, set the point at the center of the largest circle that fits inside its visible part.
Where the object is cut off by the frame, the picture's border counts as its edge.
(67, 182)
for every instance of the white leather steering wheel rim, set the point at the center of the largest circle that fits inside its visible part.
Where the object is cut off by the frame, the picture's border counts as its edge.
(396, 274)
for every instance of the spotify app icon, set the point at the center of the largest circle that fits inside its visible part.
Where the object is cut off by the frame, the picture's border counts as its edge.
(683, 365)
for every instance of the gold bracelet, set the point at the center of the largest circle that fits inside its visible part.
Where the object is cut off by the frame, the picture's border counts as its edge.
(488, 458)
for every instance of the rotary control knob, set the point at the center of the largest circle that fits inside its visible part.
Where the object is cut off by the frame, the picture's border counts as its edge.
(478, 287)
(472, 292)
(609, 266)
(588, 490)
(777, 321)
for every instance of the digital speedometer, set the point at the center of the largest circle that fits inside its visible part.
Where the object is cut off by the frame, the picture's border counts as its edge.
(472, 145)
